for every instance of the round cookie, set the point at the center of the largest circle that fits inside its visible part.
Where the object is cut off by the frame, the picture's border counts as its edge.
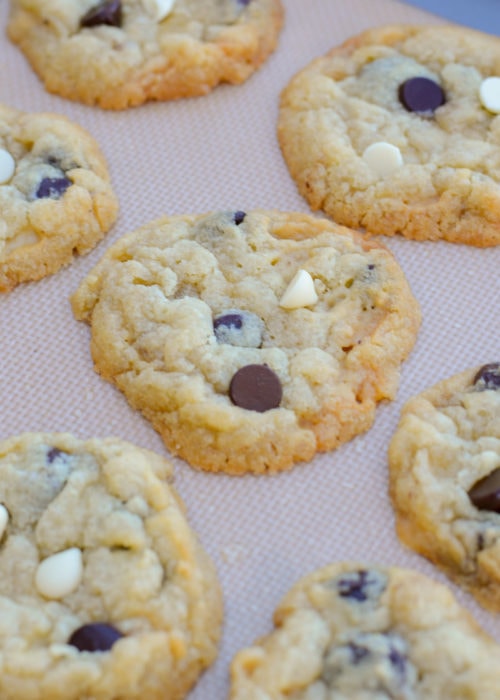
(105, 590)
(397, 132)
(443, 459)
(250, 341)
(56, 197)
(352, 632)
(121, 53)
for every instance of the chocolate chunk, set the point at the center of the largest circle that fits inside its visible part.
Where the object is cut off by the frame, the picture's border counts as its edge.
(485, 494)
(238, 217)
(421, 95)
(256, 388)
(106, 12)
(96, 636)
(53, 187)
(360, 585)
(239, 328)
(488, 377)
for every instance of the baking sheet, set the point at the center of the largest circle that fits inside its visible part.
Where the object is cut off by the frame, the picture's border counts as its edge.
(481, 14)
(220, 152)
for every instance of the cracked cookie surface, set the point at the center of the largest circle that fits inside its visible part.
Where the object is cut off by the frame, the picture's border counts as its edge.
(416, 95)
(56, 196)
(106, 591)
(443, 460)
(356, 632)
(239, 363)
(128, 55)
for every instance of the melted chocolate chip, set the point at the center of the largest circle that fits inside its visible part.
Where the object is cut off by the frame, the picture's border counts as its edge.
(96, 636)
(55, 453)
(53, 187)
(239, 328)
(485, 494)
(354, 586)
(238, 217)
(360, 585)
(421, 95)
(488, 377)
(228, 321)
(106, 12)
(398, 661)
(256, 388)
(358, 653)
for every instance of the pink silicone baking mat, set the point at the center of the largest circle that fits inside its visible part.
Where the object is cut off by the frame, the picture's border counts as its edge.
(220, 152)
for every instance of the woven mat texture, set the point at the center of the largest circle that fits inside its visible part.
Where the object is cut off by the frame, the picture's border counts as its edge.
(221, 152)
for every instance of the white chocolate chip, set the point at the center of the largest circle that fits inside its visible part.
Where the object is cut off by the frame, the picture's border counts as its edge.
(383, 158)
(158, 9)
(489, 94)
(4, 519)
(300, 292)
(7, 166)
(59, 574)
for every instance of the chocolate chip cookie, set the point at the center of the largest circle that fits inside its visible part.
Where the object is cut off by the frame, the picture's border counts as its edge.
(250, 341)
(349, 631)
(397, 131)
(105, 590)
(444, 461)
(56, 198)
(121, 53)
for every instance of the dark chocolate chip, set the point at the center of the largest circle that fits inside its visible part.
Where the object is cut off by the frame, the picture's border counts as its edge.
(256, 388)
(358, 653)
(53, 187)
(488, 377)
(421, 95)
(485, 494)
(228, 321)
(238, 217)
(398, 661)
(106, 12)
(239, 328)
(96, 636)
(55, 453)
(360, 585)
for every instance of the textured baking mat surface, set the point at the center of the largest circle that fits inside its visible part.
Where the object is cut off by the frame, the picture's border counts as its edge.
(220, 152)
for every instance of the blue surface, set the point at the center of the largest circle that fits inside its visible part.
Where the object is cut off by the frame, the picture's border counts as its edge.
(479, 14)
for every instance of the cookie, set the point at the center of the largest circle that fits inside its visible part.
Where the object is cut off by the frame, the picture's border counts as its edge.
(105, 590)
(250, 341)
(56, 196)
(396, 131)
(121, 53)
(444, 462)
(349, 631)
